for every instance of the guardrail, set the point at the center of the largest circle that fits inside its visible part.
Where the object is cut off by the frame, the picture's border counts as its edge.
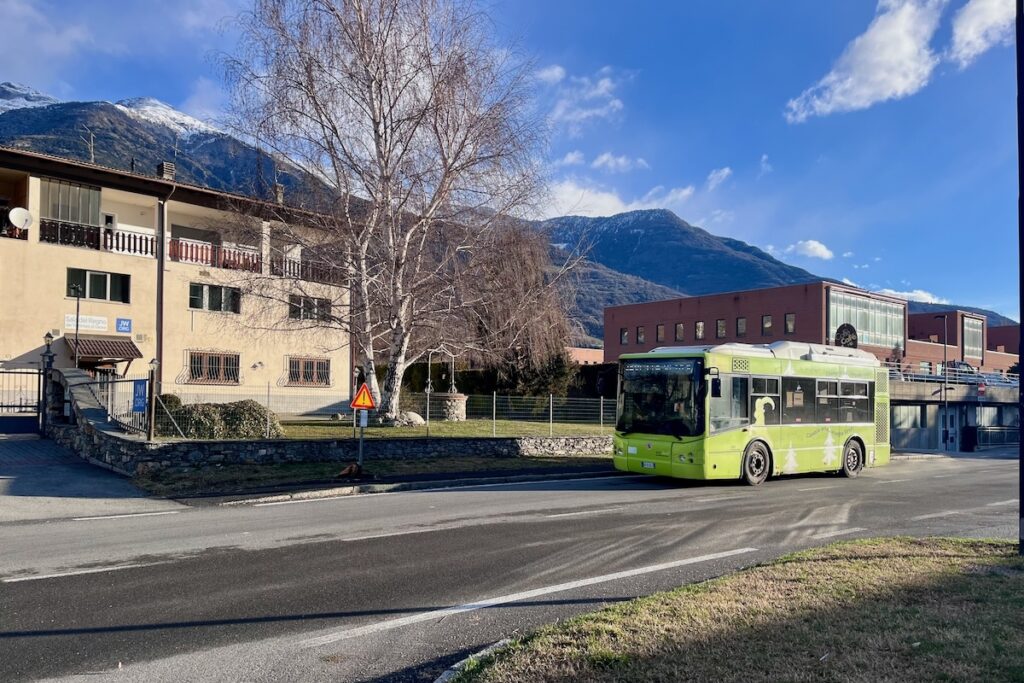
(215, 255)
(901, 372)
(998, 436)
(97, 238)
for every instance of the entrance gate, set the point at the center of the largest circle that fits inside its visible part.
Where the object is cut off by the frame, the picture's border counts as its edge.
(20, 400)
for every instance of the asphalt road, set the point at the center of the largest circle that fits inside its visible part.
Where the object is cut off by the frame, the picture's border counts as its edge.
(400, 586)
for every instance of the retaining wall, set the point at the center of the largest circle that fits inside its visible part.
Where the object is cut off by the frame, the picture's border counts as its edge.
(92, 438)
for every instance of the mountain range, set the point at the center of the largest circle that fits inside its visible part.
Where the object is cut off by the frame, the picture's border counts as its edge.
(630, 257)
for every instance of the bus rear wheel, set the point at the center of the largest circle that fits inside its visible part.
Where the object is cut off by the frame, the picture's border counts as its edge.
(757, 463)
(853, 459)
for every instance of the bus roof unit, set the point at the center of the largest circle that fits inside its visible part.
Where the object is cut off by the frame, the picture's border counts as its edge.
(783, 349)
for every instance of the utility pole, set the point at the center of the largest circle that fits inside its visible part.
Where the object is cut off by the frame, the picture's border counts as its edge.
(945, 381)
(1020, 256)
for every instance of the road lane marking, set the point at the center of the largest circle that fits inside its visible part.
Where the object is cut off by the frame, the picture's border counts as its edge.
(818, 488)
(389, 534)
(891, 481)
(936, 515)
(132, 514)
(944, 476)
(1002, 502)
(715, 499)
(78, 572)
(840, 532)
(434, 615)
(584, 512)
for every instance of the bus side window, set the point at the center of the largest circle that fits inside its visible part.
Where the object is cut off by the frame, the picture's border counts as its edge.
(798, 400)
(764, 401)
(732, 408)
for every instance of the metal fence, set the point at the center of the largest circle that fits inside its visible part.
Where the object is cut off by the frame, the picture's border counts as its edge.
(998, 436)
(904, 372)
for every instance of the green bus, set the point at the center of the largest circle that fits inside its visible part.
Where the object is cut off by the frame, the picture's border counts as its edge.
(745, 411)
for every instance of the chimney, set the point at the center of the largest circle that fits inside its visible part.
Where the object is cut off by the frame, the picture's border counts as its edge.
(279, 193)
(165, 170)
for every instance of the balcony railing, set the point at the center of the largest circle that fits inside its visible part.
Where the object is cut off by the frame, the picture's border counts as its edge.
(215, 255)
(99, 238)
(307, 270)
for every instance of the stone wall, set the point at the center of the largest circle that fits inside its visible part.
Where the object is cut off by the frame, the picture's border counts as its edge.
(92, 438)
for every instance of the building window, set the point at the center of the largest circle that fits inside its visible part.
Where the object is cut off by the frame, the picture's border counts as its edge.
(69, 202)
(698, 329)
(909, 417)
(309, 308)
(878, 323)
(659, 333)
(309, 372)
(93, 284)
(766, 326)
(926, 367)
(213, 368)
(623, 335)
(720, 328)
(741, 327)
(791, 323)
(640, 334)
(679, 332)
(214, 298)
(974, 333)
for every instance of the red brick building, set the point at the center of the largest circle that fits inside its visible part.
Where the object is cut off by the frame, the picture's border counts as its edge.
(815, 312)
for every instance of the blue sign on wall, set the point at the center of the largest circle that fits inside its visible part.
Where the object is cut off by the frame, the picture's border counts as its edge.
(139, 396)
(124, 325)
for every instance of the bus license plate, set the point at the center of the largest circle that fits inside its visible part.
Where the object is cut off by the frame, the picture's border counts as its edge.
(647, 465)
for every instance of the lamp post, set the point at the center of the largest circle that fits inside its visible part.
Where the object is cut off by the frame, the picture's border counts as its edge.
(151, 400)
(945, 382)
(77, 291)
(47, 366)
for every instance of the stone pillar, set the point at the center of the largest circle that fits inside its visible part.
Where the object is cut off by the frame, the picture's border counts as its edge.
(453, 406)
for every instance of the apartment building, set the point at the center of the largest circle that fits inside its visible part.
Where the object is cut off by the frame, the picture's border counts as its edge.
(121, 268)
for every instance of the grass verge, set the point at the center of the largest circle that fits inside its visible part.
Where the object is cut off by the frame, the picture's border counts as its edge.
(321, 429)
(895, 609)
(240, 478)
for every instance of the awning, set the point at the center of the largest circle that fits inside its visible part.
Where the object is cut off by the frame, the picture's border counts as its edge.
(104, 347)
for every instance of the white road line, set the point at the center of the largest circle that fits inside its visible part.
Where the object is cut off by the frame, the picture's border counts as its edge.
(434, 615)
(936, 515)
(441, 489)
(584, 512)
(840, 532)
(817, 488)
(714, 499)
(891, 481)
(1002, 502)
(389, 534)
(133, 514)
(77, 572)
(944, 476)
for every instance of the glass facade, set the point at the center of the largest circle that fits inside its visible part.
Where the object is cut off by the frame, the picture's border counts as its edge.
(69, 202)
(878, 323)
(973, 337)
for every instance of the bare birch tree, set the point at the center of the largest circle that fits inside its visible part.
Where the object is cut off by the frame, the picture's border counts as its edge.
(416, 130)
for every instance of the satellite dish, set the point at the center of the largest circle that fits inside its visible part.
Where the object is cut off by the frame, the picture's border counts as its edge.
(20, 218)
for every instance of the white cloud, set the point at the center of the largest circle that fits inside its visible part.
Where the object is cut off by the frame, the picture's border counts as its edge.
(617, 164)
(890, 60)
(201, 16)
(766, 167)
(862, 266)
(551, 74)
(581, 100)
(37, 44)
(915, 295)
(720, 216)
(718, 176)
(848, 281)
(979, 25)
(847, 254)
(877, 259)
(206, 101)
(810, 249)
(582, 198)
(573, 158)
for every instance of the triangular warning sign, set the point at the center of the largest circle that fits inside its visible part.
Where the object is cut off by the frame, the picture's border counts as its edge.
(363, 399)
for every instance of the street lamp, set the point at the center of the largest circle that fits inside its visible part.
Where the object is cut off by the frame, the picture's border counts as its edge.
(945, 382)
(76, 290)
(151, 400)
(47, 366)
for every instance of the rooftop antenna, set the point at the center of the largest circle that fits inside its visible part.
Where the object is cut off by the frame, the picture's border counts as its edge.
(90, 144)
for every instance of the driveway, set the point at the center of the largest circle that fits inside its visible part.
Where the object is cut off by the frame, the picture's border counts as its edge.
(40, 480)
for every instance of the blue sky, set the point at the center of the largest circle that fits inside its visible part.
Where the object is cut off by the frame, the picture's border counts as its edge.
(871, 141)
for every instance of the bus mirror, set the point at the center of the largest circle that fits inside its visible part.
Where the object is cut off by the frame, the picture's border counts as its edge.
(716, 387)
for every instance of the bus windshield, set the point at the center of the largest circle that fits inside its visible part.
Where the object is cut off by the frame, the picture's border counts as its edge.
(661, 396)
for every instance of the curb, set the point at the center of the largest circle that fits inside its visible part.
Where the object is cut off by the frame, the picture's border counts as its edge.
(455, 669)
(920, 456)
(362, 489)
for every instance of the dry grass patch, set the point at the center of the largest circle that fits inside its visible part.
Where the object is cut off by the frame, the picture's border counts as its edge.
(877, 610)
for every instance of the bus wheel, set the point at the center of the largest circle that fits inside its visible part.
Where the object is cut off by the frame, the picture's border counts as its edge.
(756, 463)
(853, 459)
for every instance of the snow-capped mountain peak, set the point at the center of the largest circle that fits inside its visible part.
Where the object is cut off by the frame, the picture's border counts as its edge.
(152, 110)
(18, 96)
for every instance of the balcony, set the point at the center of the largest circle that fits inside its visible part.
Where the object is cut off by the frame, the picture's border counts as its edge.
(8, 230)
(214, 255)
(308, 271)
(98, 238)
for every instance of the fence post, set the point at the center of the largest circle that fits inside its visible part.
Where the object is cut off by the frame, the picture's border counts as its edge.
(494, 414)
(551, 414)
(268, 410)
(601, 408)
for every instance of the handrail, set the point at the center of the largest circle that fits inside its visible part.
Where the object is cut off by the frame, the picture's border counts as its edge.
(215, 255)
(903, 372)
(99, 238)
